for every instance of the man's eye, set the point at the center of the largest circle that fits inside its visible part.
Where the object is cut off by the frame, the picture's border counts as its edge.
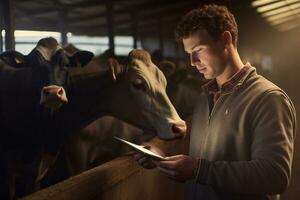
(199, 50)
(196, 51)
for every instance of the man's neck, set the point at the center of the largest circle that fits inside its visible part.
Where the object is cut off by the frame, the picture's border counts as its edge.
(233, 65)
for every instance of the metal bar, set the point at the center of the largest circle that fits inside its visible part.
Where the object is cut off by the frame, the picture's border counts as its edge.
(1, 28)
(63, 26)
(9, 24)
(110, 25)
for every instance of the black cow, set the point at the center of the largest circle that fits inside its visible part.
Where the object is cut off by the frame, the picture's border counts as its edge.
(30, 143)
(30, 91)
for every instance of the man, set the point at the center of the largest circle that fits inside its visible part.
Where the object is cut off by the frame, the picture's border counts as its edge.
(243, 128)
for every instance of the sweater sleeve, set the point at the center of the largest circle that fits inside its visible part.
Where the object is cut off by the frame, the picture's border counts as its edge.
(269, 169)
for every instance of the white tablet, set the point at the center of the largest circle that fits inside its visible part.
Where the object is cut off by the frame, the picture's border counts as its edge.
(141, 149)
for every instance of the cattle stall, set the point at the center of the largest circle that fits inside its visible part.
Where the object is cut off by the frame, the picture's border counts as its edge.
(121, 178)
(151, 24)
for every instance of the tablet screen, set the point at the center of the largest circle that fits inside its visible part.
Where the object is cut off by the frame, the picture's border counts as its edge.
(141, 149)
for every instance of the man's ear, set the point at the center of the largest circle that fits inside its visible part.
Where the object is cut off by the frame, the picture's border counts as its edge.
(227, 38)
(114, 67)
(14, 59)
(80, 58)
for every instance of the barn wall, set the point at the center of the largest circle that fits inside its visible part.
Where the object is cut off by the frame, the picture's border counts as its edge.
(151, 44)
(286, 53)
(283, 49)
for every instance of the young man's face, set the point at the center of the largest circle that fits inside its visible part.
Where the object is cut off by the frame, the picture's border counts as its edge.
(206, 54)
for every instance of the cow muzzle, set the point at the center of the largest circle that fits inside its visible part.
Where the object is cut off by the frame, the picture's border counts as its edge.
(53, 97)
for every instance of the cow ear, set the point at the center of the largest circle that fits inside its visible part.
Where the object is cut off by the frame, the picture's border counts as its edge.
(81, 58)
(114, 67)
(14, 59)
(167, 67)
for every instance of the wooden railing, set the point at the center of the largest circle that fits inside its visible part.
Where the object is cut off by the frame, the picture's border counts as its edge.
(121, 178)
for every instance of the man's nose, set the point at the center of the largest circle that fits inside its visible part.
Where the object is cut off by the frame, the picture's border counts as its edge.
(194, 59)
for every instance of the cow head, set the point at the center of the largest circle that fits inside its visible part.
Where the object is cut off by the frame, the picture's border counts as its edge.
(143, 87)
(54, 95)
(48, 62)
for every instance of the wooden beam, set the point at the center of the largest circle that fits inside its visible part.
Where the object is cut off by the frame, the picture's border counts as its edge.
(9, 24)
(108, 178)
(87, 4)
(38, 25)
(124, 26)
(63, 23)
(1, 41)
(146, 16)
(31, 13)
(89, 183)
(110, 25)
(41, 23)
(148, 6)
(143, 27)
(99, 30)
(1, 28)
(58, 6)
(148, 13)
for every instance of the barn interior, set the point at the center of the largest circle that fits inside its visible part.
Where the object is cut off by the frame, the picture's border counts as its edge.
(268, 39)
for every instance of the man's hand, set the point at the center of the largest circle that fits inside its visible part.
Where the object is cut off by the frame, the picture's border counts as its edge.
(144, 160)
(179, 167)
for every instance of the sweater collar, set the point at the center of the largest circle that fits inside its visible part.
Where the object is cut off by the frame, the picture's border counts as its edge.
(233, 83)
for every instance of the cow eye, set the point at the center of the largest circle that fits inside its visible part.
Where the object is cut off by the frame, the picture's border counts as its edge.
(138, 84)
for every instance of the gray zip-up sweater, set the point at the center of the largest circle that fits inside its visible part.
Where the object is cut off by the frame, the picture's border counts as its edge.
(245, 143)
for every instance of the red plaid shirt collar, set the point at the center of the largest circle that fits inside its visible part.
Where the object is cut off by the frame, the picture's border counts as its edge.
(213, 88)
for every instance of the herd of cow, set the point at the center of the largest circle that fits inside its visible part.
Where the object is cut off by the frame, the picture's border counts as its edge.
(59, 113)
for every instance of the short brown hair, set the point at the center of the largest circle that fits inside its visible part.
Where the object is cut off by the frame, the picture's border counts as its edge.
(215, 19)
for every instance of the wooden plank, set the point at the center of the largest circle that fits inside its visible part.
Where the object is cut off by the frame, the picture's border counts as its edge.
(90, 3)
(119, 179)
(145, 185)
(89, 183)
(150, 6)
(144, 20)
